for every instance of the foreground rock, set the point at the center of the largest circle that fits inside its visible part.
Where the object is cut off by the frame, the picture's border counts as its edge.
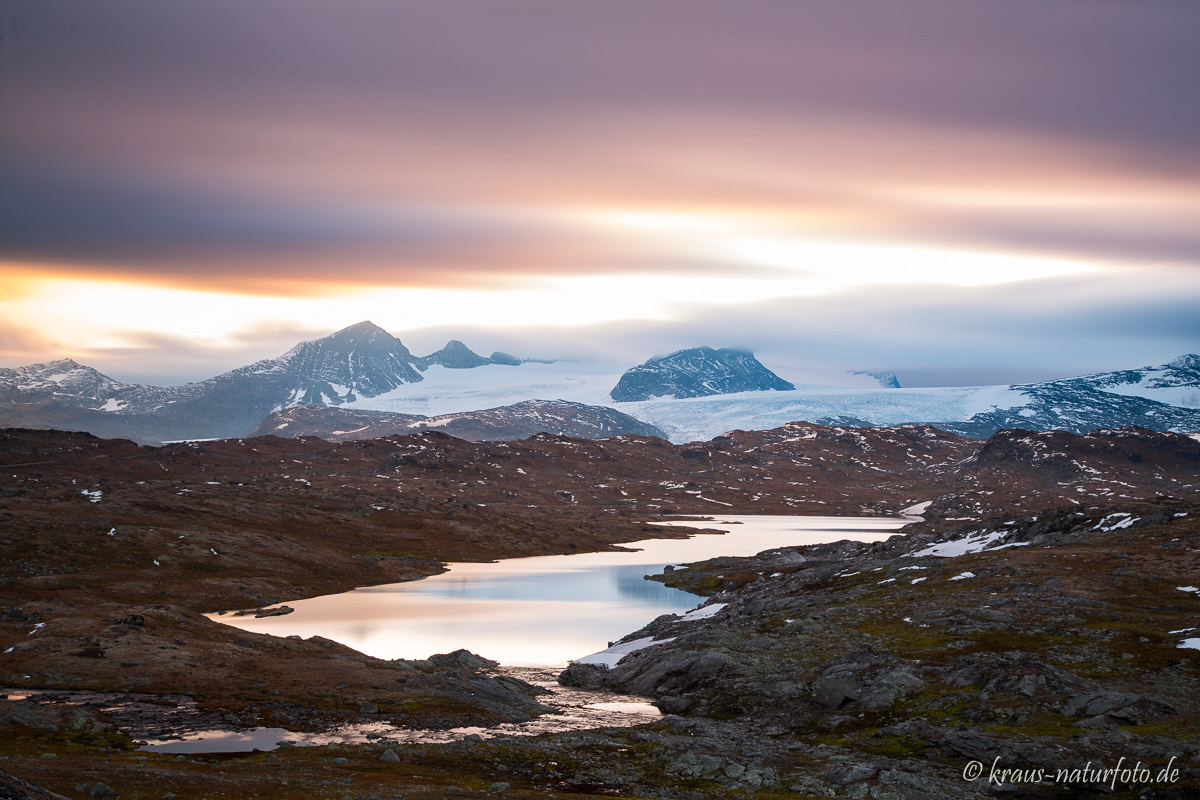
(1059, 645)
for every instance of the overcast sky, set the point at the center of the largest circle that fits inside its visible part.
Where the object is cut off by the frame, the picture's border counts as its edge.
(961, 192)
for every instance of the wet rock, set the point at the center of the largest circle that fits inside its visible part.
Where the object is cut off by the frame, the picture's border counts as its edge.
(850, 773)
(461, 659)
(31, 715)
(691, 765)
(273, 612)
(389, 756)
(965, 744)
(887, 688)
(675, 705)
(898, 785)
(803, 784)
(758, 777)
(834, 690)
(757, 644)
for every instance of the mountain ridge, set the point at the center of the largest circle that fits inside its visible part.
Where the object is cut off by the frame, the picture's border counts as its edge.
(710, 392)
(696, 372)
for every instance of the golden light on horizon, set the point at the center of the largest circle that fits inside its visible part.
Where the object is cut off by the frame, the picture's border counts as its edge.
(750, 260)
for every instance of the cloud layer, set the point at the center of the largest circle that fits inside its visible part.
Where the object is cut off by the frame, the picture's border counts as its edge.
(745, 157)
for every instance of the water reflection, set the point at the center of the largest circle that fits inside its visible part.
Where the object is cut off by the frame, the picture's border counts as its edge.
(545, 610)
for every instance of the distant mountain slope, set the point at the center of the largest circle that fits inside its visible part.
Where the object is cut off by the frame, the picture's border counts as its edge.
(696, 372)
(506, 423)
(1109, 400)
(1176, 383)
(1076, 406)
(887, 380)
(362, 360)
(689, 395)
(455, 355)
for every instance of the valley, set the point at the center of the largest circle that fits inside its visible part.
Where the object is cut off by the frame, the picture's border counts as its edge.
(113, 553)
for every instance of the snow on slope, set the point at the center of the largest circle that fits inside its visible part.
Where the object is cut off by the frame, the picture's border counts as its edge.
(447, 391)
(701, 418)
(450, 391)
(1176, 383)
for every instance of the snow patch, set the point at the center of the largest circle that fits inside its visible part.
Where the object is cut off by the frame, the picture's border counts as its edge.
(972, 543)
(962, 576)
(916, 510)
(610, 656)
(1123, 520)
(702, 613)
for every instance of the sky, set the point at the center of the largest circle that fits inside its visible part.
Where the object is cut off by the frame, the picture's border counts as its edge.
(963, 192)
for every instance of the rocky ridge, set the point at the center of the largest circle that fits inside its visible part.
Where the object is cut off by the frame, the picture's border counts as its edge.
(1043, 642)
(517, 421)
(696, 372)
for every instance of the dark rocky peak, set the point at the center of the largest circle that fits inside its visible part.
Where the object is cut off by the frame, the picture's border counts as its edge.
(697, 372)
(505, 359)
(1191, 361)
(361, 333)
(455, 355)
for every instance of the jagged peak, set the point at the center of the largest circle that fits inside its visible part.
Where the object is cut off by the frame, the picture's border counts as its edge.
(1188, 361)
(58, 363)
(365, 325)
(456, 345)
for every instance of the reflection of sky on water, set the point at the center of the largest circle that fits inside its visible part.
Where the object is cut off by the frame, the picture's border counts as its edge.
(545, 610)
(616, 582)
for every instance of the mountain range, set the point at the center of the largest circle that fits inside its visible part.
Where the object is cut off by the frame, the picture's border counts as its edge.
(362, 382)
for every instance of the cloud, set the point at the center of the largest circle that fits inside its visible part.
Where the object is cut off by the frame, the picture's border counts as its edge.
(18, 342)
(301, 150)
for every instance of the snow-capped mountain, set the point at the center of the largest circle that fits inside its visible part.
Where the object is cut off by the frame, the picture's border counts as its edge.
(362, 360)
(1138, 397)
(696, 372)
(1176, 383)
(357, 362)
(690, 395)
(80, 385)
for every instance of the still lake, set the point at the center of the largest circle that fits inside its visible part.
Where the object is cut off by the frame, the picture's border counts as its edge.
(544, 611)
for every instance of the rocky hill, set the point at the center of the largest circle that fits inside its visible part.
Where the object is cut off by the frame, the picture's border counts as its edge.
(506, 423)
(456, 355)
(697, 372)
(1040, 643)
